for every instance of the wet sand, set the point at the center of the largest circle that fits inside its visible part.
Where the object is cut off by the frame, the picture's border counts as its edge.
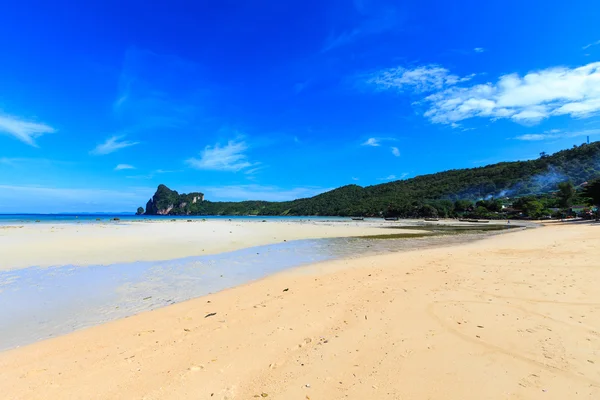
(44, 245)
(42, 302)
(512, 316)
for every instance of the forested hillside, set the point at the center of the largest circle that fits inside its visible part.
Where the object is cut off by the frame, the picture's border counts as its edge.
(426, 195)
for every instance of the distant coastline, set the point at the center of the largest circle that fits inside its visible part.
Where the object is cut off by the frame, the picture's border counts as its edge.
(132, 217)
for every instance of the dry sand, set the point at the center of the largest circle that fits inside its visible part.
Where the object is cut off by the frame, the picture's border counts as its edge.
(514, 316)
(46, 245)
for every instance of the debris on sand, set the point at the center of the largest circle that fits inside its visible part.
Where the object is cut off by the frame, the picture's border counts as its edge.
(210, 315)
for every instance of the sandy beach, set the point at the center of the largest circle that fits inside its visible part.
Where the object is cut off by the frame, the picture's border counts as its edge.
(45, 245)
(513, 316)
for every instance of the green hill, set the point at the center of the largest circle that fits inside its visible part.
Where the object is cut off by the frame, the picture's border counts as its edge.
(425, 195)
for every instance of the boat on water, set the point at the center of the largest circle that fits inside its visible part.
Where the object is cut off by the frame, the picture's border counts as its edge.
(481, 221)
(391, 218)
(358, 218)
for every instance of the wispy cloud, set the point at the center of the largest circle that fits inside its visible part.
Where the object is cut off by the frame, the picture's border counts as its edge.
(299, 87)
(394, 177)
(557, 134)
(231, 157)
(157, 91)
(374, 142)
(151, 174)
(121, 167)
(253, 171)
(528, 100)
(25, 131)
(478, 49)
(587, 46)
(355, 178)
(378, 141)
(111, 145)
(7, 161)
(420, 79)
(373, 19)
(344, 38)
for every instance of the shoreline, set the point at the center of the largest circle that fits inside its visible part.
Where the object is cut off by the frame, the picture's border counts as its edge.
(40, 310)
(385, 326)
(105, 243)
(58, 244)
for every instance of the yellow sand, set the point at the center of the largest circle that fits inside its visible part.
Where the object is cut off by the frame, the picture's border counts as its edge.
(106, 243)
(515, 316)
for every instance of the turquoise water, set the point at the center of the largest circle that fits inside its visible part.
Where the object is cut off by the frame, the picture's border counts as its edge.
(86, 218)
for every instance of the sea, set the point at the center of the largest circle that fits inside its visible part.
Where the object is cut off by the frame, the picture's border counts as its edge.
(11, 219)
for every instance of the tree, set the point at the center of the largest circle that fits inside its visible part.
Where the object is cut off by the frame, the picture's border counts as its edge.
(140, 211)
(462, 205)
(592, 190)
(491, 205)
(481, 212)
(566, 194)
(533, 208)
(405, 198)
(428, 211)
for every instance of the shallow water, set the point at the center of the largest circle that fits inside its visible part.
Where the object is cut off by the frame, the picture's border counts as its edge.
(11, 219)
(38, 303)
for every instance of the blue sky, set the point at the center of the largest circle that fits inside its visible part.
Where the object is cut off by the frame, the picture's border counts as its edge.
(99, 103)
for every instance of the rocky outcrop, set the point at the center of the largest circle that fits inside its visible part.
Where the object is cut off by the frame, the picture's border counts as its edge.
(166, 201)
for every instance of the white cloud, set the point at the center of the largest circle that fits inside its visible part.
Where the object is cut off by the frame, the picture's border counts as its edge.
(25, 131)
(478, 49)
(421, 79)
(528, 99)
(557, 134)
(121, 167)
(252, 171)
(257, 192)
(532, 137)
(231, 157)
(355, 179)
(372, 142)
(395, 151)
(111, 145)
(524, 99)
(394, 177)
(596, 43)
